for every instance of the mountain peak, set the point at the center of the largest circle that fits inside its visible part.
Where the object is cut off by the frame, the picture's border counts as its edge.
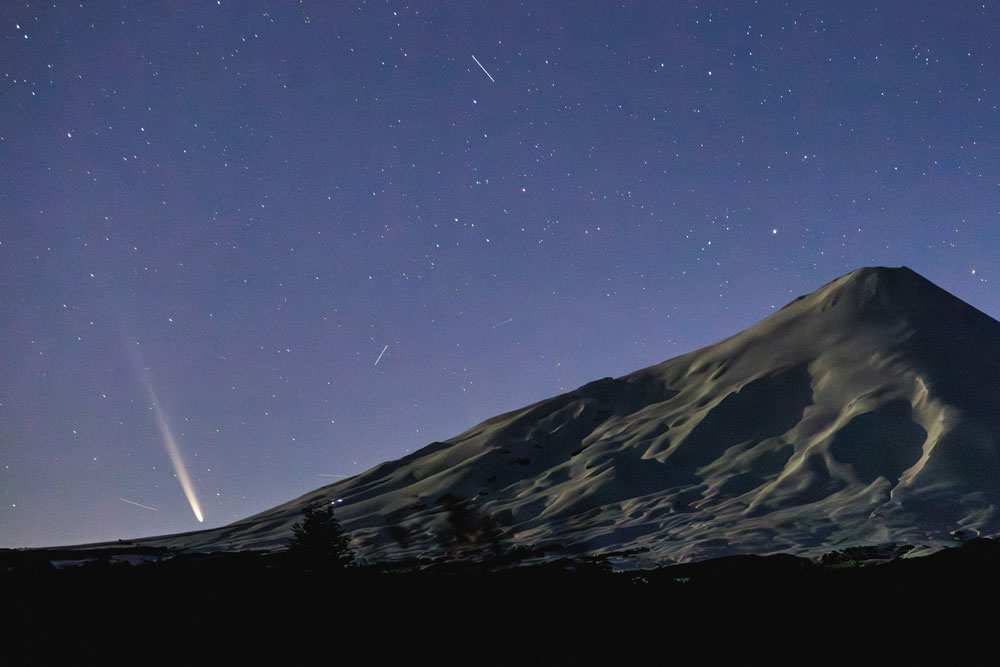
(862, 285)
(879, 295)
(885, 272)
(883, 281)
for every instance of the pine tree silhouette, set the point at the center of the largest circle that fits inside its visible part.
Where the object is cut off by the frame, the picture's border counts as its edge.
(318, 541)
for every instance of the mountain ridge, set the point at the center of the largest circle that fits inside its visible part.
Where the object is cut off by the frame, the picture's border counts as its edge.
(861, 413)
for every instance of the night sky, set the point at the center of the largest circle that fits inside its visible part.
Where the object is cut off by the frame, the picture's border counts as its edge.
(297, 239)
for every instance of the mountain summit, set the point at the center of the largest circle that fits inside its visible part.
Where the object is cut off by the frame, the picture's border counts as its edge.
(867, 412)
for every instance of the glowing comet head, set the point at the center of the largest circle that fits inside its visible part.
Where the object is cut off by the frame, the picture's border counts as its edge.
(174, 452)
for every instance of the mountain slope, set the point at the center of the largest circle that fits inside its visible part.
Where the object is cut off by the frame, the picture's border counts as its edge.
(863, 413)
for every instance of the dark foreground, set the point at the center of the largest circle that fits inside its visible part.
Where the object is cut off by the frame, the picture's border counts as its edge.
(252, 605)
(121, 572)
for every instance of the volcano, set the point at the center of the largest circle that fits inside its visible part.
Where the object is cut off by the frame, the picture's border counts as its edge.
(865, 413)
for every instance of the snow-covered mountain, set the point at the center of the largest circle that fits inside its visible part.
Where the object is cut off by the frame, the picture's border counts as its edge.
(867, 412)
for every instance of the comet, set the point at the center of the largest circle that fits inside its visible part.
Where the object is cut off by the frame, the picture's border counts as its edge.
(169, 442)
(173, 451)
(483, 68)
(380, 355)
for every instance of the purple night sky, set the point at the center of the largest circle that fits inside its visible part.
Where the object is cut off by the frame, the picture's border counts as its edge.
(215, 216)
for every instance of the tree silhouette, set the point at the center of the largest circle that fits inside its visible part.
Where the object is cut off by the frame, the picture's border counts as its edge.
(471, 532)
(318, 541)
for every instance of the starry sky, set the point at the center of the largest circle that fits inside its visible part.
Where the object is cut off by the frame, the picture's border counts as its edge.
(296, 239)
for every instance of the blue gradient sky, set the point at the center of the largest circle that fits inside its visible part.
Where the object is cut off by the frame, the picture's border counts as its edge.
(242, 204)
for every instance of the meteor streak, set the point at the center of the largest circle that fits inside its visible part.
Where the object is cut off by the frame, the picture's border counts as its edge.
(482, 68)
(380, 355)
(132, 502)
(173, 451)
